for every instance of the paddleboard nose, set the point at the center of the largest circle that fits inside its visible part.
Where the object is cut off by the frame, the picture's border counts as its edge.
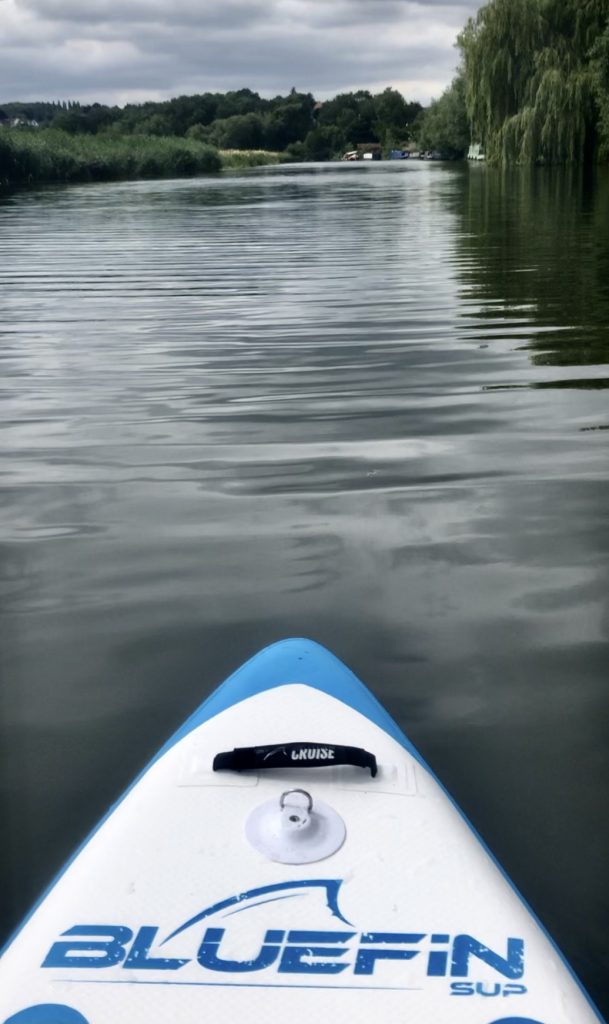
(294, 661)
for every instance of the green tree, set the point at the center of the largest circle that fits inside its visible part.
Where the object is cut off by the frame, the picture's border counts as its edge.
(395, 116)
(288, 122)
(155, 124)
(352, 113)
(6, 159)
(134, 113)
(85, 120)
(324, 143)
(445, 124)
(199, 132)
(600, 70)
(238, 103)
(184, 111)
(531, 86)
(241, 131)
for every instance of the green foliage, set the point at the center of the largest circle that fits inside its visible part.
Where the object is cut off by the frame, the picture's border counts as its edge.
(353, 118)
(240, 131)
(239, 103)
(89, 120)
(600, 71)
(324, 143)
(185, 111)
(531, 87)
(288, 123)
(51, 155)
(199, 132)
(445, 125)
(395, 118)
(41, 112)
(297, 152)
(251, 158)
(155, 124)
(239, 120)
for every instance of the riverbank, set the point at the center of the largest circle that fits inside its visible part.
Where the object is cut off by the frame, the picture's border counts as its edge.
(52, 156)
(253, 158)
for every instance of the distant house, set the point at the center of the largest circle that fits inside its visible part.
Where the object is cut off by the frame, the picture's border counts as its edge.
(21, 122)
(365, 151)
(476, 151)
(369, 151)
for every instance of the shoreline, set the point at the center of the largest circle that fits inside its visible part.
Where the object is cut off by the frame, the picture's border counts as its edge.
(29, 159)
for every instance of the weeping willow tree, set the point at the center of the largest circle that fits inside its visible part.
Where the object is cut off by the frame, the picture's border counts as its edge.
(533, 89)
(600, 64)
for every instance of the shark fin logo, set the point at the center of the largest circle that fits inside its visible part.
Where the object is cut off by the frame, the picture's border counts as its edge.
(267, 894)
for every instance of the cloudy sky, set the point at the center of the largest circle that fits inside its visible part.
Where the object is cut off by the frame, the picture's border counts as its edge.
(117, 51)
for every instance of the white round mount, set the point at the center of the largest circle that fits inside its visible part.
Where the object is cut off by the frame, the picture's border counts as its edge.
(293, 831)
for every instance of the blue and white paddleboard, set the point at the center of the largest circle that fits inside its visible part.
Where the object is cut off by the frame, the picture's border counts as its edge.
(286, 856)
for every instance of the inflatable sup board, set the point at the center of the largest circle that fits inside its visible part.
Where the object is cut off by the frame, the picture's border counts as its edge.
(287, 856)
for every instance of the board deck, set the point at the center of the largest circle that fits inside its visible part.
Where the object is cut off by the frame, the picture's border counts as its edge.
(174, 910)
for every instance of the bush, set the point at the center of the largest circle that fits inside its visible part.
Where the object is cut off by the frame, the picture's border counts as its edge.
(297, 151)
(199, 132)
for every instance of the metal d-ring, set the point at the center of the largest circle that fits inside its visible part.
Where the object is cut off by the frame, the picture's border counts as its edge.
(303, 792)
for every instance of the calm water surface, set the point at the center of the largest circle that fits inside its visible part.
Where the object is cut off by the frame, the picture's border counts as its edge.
(362, 404)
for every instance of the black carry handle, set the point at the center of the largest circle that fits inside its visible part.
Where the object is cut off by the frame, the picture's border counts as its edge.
(293, 755)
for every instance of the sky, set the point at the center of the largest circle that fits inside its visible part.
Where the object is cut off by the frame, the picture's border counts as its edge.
(122, 51)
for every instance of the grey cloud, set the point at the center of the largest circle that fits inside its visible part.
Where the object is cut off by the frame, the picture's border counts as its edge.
(213, 13)
(395, 12)
(238, 14)
(117, 49)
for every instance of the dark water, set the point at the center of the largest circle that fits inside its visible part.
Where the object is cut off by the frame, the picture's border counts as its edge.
(362, 404)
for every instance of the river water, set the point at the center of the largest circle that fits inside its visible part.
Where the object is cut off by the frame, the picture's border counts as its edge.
(364, 404)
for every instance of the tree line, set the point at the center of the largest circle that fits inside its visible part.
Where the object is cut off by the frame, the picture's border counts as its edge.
(294, 124)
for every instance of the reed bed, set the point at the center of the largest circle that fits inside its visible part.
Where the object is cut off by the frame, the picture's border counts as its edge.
(252, 157)
(31, 157)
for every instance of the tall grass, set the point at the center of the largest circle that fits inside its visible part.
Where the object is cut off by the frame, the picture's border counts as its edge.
(252, 157)
(30, 157)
